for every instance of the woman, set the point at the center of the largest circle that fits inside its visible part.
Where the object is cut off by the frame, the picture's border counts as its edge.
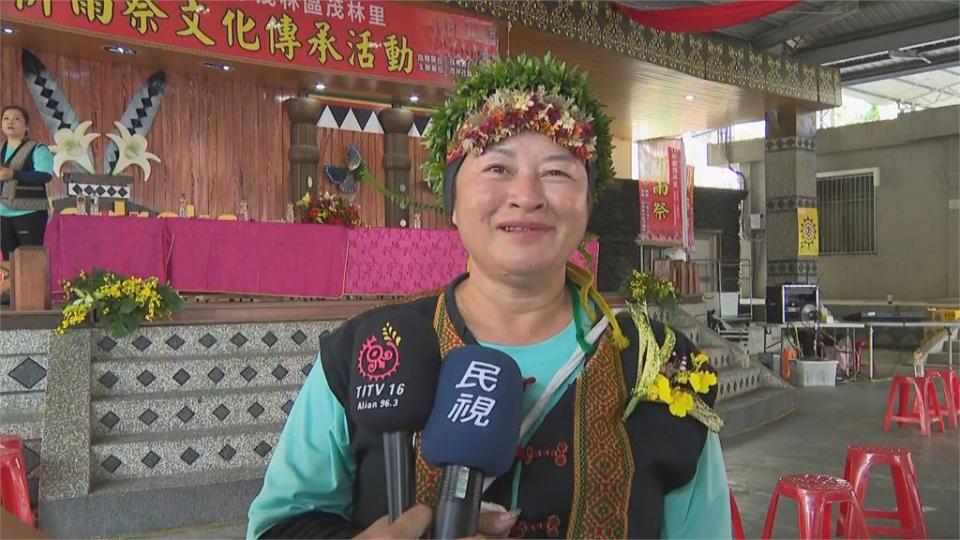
(605, 460)
(26, 168)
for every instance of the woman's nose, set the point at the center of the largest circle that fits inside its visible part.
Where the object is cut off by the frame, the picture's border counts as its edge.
(526, 191)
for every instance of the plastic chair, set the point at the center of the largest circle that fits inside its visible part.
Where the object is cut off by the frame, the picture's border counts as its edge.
(815, 495)
(735, 519)
(909, 511)
(923, 409)
(951, 391)
(14, 492)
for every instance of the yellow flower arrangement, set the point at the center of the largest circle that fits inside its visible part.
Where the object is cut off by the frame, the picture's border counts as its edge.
(665, 377)
(119, 304)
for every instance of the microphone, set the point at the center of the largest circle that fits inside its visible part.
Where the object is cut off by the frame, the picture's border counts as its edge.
(472, 432)
(392, 386)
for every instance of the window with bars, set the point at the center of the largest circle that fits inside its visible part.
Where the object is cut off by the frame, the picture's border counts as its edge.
(847, 210)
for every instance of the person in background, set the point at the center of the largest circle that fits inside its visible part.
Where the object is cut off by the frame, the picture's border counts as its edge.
(26, 168)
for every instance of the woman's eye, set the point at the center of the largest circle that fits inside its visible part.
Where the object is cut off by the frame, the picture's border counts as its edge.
(557, 173)
(496, 169)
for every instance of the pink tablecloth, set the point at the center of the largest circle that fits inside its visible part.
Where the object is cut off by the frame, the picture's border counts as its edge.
(207, 256)
(406, 261)
(257, 258)
(402, 261)
(128, 246)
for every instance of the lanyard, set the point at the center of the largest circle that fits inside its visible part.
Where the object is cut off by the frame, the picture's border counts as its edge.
(536, 414)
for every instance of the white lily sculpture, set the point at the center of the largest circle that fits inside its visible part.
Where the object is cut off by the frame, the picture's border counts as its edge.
(73, 145)
(132, 150)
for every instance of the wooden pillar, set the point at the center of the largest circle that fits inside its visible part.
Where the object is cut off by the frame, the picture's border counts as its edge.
(31, 279)
(304, 154)
(396, 122)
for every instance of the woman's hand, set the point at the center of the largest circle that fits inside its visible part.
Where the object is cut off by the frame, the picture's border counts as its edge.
(411, 524)
(496, 524)
(6, 173)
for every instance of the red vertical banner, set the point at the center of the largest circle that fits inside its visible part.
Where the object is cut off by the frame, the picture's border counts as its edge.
(661, 191)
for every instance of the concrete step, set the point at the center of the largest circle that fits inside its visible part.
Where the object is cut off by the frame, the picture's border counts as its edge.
(151, 375)
(755, 408)
(135, 506)
(178, 340)
(142, 456)
(737, 381)
(23, 372)
(195, 409)
(724, 357)
(24, 342)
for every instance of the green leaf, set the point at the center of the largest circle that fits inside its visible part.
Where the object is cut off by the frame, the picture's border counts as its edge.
(127, 305)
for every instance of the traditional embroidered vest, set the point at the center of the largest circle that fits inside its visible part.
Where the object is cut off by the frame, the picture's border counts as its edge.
(18, 195)
(585, 473)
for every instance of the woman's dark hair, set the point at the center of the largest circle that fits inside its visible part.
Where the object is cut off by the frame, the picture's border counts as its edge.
(21, 110)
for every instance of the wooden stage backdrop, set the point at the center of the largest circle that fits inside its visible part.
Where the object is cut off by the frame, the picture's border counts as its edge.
(219, 139)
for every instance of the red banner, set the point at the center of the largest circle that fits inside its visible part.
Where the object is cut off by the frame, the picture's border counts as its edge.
(661, 192)
(377, 38)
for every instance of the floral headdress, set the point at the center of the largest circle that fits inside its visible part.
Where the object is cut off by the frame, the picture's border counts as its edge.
(503, 98)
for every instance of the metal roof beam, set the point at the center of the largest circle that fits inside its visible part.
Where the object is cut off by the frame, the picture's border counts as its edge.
(831, 12)
(906, 34)
(899, 70)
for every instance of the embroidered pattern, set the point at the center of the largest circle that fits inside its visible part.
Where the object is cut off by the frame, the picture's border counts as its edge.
(603, 459)
(427, 477)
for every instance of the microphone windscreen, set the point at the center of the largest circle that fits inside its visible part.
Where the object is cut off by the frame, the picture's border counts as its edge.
(393, 379)
(476, 414)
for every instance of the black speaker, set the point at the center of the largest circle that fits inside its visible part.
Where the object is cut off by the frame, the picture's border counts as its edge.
(793, 303)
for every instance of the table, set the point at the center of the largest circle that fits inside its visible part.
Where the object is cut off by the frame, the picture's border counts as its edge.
(260, 258)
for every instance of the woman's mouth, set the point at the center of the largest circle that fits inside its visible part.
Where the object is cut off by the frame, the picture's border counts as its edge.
(524, 229)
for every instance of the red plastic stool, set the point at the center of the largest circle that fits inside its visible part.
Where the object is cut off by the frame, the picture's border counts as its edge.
(909, 512)
(951, 391)
(14, 493)
(735, 519)
(924, 409)
(815, 495)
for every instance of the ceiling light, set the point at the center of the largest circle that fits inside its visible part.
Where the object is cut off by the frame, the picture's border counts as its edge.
(214, 65)
(689, 97)
(8, 31)
(119, 49)
(319, 87)
(414, 98)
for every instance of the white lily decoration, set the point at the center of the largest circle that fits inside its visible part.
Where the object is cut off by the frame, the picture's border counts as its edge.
(132, 151)
(73, 145)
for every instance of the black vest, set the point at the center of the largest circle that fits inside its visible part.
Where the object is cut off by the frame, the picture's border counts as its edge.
(665, 449)
(19, 195)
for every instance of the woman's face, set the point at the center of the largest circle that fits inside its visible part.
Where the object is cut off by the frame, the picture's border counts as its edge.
(521, 206)
(14, 124)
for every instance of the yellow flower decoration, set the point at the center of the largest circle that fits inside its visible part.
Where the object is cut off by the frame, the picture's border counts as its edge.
(681, 404)
(661, 389)
(700, 359)
(701, 381)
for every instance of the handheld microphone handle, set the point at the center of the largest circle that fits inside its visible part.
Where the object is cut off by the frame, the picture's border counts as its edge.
(398, 463)
(458, 506)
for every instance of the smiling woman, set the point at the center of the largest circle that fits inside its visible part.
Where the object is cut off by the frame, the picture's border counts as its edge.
(519, 167)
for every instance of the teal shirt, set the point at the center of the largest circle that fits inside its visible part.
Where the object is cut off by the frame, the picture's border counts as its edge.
(312, 468)
(42, 162)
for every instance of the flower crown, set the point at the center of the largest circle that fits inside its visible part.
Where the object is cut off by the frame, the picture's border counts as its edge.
(509, 112)
(502, 98)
